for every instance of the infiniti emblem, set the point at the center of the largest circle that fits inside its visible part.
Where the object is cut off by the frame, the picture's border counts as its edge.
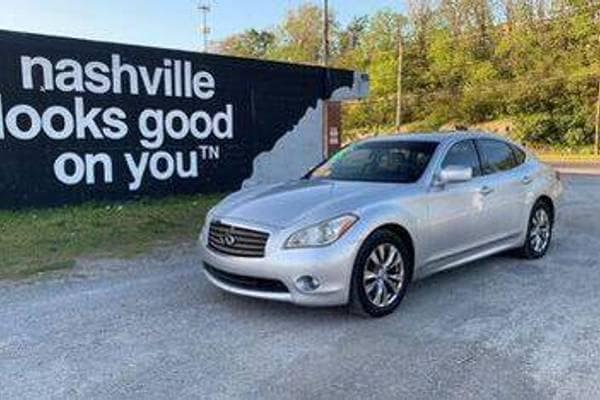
(228, 239)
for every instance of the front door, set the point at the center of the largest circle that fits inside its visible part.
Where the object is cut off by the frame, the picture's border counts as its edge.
(456, 210)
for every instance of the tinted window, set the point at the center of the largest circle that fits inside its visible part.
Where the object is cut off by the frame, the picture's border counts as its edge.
(520, 155)
(463, 154)
(385, 161)
(496, 156)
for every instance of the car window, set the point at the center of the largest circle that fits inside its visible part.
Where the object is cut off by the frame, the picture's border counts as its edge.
(496, 156)
(401, 161)
(520, 155)
(463, 154)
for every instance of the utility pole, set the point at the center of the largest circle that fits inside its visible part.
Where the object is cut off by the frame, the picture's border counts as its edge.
(399, 80)
(597, 141)
(204, 8)
(597, 136)
(325, 33)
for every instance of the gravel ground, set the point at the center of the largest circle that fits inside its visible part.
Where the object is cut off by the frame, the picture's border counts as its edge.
(153, 328)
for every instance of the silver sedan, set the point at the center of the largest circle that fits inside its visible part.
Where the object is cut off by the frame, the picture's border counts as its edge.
(361, 226)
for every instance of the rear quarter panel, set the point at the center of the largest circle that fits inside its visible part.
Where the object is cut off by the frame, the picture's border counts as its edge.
(545, 183)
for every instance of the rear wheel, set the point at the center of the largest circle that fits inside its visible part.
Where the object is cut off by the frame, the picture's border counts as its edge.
(539, 232)
(381, 275)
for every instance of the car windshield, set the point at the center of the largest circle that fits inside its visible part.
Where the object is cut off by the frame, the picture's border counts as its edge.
(399, 161)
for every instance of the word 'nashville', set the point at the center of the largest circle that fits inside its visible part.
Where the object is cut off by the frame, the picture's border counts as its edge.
(175, 78)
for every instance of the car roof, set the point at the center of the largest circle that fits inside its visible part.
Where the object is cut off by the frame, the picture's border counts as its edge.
(439, 137)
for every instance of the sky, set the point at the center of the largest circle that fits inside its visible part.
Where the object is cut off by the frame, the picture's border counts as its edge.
(161, 23)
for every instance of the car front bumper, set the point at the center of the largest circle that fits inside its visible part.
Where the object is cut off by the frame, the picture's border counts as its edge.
(331, 266)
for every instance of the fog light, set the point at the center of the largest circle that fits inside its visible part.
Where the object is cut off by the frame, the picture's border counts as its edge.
(307, 283)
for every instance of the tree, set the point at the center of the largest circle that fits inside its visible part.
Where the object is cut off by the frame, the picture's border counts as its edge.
(251, 43)
(299, 37)
(534, 63)
(348, 42)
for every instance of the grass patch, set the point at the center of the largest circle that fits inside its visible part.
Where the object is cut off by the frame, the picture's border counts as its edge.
(574, 158)
(33, 241)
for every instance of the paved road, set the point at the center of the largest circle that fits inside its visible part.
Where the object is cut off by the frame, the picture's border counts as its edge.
(154, 329)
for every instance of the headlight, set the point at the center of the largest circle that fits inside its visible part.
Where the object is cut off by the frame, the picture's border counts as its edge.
(321, 234)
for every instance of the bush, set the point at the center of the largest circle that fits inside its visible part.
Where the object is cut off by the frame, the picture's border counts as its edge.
(534, 128)
(576, 137)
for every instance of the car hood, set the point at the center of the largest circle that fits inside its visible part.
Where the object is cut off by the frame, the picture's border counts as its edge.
(306, 201)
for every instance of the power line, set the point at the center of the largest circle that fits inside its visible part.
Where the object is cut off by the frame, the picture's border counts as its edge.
(496, 86)
(591, 74)
(497, 29)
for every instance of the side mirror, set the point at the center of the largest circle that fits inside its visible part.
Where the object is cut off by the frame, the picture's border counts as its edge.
(455, 173)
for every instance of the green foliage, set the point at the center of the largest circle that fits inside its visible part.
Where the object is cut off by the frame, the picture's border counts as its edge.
(251, 43)
(298, 38)
(536, 128)
(536, 64)
(568, 129)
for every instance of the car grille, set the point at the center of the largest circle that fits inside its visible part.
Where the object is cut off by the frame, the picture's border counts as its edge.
(236, 241)
(247, 282)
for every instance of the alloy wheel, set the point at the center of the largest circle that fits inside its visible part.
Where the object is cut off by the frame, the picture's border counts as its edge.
(383, 275)
(539, 236)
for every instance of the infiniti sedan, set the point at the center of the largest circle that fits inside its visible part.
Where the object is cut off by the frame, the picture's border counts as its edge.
(361, 226)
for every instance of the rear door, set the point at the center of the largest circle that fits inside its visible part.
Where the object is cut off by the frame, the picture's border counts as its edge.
(502, 188)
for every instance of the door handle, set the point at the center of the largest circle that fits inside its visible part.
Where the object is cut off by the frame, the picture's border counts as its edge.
(485, 190)
(526, 180)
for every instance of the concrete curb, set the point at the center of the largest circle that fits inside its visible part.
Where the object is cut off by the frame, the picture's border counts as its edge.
(579, 168)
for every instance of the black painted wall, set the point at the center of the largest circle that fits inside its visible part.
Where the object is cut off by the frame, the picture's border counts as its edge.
(267, 99)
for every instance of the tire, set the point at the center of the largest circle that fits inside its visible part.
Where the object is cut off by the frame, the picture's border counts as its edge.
(391, 280)
(532, 248)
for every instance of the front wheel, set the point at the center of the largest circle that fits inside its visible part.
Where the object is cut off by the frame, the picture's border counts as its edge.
(381, 275)
(539, 232)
